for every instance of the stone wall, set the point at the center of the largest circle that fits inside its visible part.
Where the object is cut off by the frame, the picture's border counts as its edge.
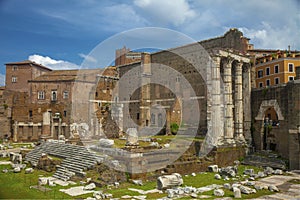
(285, 100)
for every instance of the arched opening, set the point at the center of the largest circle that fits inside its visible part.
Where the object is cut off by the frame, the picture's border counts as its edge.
(270, 130)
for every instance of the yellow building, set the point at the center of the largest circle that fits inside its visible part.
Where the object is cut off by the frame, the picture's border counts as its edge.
(276, 69)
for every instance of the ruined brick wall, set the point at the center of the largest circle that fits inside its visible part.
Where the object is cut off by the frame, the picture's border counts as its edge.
(185, 67)
(233, 39)
(285, 136)
(21, 73)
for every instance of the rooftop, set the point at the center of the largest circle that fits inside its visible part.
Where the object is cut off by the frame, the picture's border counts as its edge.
(28, 62)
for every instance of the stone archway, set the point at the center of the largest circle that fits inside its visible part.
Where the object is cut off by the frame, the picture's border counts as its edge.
(266, 104)
(265, 139)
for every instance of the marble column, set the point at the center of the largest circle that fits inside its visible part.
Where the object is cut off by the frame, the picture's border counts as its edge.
(247, 102)
(227, 78)
(238, 101)
(216, 118)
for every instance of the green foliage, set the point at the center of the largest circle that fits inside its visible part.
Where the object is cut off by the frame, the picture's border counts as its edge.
(174, 128)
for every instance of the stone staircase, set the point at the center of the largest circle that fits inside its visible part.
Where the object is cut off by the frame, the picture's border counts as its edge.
(76, 159)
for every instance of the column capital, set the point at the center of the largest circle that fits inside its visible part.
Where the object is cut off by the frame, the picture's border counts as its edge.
(246, 67)
(227, 61)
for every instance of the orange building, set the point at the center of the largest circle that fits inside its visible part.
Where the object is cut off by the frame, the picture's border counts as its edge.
(276, 69)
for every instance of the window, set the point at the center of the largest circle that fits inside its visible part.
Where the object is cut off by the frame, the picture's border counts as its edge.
(152, 118)
(41, 95)
(261, 84)
(15, 68)
(291, 78)
(96, 94)
(14, 79)
(66, 95)
(137, 116)
(276, 69)
(30, 113)
(268, 71)
(260, 73)
(53, 95)
(291, 67)
(276, 80)
(65, 113)
(268, 82)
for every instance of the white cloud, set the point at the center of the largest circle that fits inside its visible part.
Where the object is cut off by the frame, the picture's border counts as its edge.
(174, 12)
(267, 36)
(88, 58)
(2, 79)
(52, 63)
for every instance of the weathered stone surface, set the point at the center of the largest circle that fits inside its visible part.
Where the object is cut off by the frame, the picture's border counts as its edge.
(213, 168)
(167, 181)
(237, 193)
(273, 188)
(278, 172)
(194, 195)
(227, 186)
(247, 190)
(137, 182)
(219, 192)
(43, 181)
(106, 142)
(229, 171)
(249, 171)
(17, 170)
(218, 176)
(269, 170)
(5, 170)
(132, 137)
(29, 171)
(90, 186)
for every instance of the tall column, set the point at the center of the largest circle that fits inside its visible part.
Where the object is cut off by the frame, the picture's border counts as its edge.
(247, 102)
(216, 118)
(238, 101)
(227, 78)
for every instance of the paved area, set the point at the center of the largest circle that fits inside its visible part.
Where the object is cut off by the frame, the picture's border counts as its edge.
(75, 191)
(287, 190)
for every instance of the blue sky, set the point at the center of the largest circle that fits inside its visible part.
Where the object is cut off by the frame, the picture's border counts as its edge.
(60, 34)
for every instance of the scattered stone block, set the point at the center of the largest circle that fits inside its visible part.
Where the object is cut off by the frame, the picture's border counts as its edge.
(193, 174)
(227, 186)
(236, 162)
(29, 171)
(273, 188)
(249, 171)
(247, 190)
(168, 181)
(269, 170)
(237, 193)
(218, 176)
(132, 137)
(219, 192)
(43, 181)
(213, 168)
(106, 142)
(250, 183)
(194, 195)
(17, 170)
(261, 174)
(5, 170)
(137, 182)
(278, 172)
(90, 186)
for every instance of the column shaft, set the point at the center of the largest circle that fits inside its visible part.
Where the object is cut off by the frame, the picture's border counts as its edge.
(238, 97)
(227, 77)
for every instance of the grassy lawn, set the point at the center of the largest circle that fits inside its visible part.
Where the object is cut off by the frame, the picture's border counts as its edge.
(17, 185)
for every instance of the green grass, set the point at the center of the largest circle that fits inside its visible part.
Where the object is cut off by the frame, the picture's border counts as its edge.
(17, 186)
